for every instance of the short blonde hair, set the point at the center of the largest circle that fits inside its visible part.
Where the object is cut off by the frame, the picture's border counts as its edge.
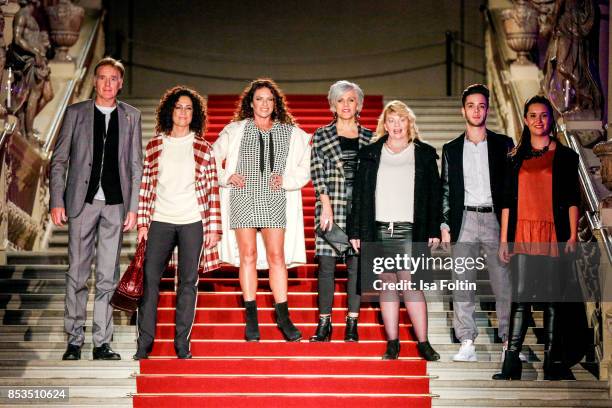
(402, 110)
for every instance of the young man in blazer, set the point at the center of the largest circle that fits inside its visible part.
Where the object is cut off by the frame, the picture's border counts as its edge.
(94, 183)
(473, 174)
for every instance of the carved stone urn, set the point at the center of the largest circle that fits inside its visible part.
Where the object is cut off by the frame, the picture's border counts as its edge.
(65, 20)
(603, 150)
(521, 27)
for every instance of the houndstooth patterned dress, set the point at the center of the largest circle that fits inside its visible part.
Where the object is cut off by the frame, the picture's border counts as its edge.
(256, 205)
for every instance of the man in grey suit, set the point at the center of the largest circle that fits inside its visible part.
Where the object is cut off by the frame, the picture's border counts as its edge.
(100, 149)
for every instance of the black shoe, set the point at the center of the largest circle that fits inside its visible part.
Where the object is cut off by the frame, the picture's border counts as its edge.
(183, 355)
(427, 352)
(251, 331)
(556, 370)
(72, 352)
(284, 323)
(393, 350)
(350, 331)
(324, 329)
(560, 373)
(140, 355)
(512, 368)
(105, 352)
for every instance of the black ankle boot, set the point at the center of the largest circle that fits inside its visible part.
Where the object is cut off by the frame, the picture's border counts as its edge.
(350, 333)
(512, 367)
(427, 352)
(556, 370)
(285, 324)
(324, 329)
(251, 331)
(393, 350)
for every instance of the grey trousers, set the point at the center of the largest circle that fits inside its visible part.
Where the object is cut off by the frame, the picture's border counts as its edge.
(162, 239)
(98, 226)
(480, 231)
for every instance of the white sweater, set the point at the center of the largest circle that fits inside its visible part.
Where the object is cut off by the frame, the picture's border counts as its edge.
(176, 201)
(395, 186)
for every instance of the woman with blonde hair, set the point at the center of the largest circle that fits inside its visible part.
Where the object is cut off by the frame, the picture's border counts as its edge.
(396, 199)
(267, 162)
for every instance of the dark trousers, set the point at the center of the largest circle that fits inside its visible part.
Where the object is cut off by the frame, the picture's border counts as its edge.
(535, 281)
(162, 239)
(327, 269)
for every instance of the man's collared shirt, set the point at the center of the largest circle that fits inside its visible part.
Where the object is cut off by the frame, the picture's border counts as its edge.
(476, 178)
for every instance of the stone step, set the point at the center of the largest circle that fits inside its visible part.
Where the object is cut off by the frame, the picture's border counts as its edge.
(47, 331)
(68, 369)
(80, 387)
(465, 389)
(56, 300)
(524, 403)
(86, 402)
(19, 350)
(484, 370)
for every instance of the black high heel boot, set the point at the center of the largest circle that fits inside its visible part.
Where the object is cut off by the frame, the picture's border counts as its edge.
(285, 324)
(251, 331)
(555, 369)
(393, 350)
(324, 329)
(512, 367)
(350, 333)
(427, 352)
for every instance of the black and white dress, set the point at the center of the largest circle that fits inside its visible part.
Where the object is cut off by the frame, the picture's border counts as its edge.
(262, 153)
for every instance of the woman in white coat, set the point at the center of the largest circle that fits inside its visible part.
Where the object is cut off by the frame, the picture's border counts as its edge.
(267, 162)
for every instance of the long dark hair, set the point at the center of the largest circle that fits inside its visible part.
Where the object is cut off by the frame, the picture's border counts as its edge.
(281, 112)
(523, 149)
(166, 107)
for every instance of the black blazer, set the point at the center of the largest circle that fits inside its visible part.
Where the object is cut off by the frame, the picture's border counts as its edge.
(453, 188)
(565, 191)
(362, 222)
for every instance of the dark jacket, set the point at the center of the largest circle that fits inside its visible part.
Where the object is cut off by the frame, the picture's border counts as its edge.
(565, 191)
(362, 222)
(453, 188)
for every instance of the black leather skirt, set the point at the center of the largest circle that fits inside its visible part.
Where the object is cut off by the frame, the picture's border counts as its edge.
(393, 231)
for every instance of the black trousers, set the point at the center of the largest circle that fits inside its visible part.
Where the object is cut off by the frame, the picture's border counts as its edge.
(327, 269)
(162, 239)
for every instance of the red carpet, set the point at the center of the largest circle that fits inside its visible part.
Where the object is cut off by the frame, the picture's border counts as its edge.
(227, 372)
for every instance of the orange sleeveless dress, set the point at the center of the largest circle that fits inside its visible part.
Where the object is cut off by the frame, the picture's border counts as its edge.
(535, 226)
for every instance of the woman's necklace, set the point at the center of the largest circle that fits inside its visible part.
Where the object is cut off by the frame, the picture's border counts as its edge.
(540, 152)
(395, 149)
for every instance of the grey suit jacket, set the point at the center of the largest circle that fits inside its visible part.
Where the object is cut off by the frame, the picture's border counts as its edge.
(73, 154)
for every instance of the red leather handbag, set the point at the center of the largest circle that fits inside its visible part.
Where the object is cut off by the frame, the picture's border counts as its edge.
(130, 287)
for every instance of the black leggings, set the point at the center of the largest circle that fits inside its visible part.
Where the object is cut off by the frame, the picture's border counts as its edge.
(327, 269)
(535, 281)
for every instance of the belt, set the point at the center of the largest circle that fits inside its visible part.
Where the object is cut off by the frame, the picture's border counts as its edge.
(391, 224)
(478, 209)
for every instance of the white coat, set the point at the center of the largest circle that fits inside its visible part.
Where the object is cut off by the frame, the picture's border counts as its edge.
(296, 175)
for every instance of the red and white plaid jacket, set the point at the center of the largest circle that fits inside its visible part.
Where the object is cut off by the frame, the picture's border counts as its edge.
(207, 193)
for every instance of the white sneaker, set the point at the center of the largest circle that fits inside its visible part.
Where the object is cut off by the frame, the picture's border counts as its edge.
(522, 355)
(467, 352)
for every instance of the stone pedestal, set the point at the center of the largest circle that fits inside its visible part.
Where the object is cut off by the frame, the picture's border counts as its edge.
(62, 70)
(9, 10)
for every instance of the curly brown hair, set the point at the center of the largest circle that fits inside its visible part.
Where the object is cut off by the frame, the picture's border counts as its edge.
(165, 108)
(281, 111)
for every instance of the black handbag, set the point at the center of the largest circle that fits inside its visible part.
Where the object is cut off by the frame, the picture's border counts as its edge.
(335, 238)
